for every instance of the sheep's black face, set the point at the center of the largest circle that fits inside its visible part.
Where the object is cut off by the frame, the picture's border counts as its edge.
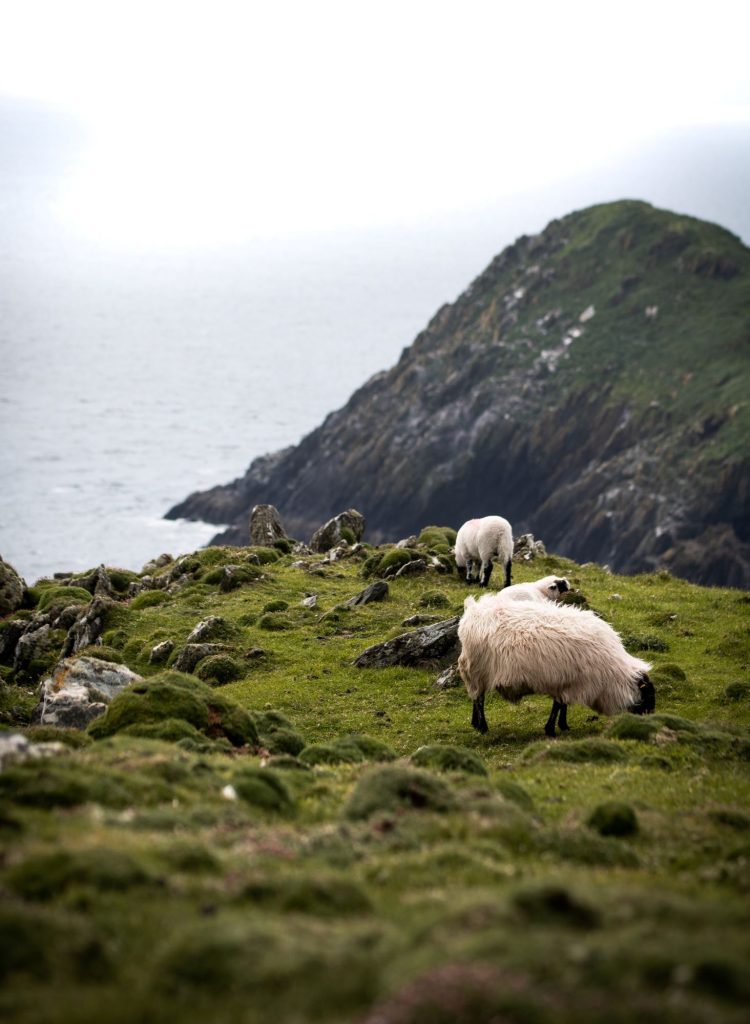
(562, 586)
(647, 703)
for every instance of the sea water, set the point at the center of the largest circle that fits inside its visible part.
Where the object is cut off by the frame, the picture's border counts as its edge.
(130, 380)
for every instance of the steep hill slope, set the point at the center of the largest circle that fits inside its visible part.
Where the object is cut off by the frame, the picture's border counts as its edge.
(591, 385)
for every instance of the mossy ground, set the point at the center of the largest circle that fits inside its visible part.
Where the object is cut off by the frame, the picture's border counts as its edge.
(171, 875)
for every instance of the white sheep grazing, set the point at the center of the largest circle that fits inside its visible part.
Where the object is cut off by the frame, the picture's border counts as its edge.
(548, 588)
(478, 542)
(572, 656)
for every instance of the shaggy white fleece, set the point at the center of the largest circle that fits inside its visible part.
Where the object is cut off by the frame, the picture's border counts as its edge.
(527, 647)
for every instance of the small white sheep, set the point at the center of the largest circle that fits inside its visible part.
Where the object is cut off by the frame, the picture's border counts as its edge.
(572, 656)
(548, 588)
(478, 542)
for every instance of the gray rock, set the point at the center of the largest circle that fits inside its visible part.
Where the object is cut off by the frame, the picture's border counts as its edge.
(310, 602)
(12, 589)
(449, 679)
(330, 534)
(207, 629)
(526, 549)
(15, 748)
(427, 644)
(417, 567)
(191, 654)
(377, 591)
(79, 691)
(34, 643)
(408, 542)
(161, 652)
(88, 627)
(266, 526)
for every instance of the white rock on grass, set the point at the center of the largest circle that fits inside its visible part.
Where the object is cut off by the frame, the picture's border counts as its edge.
(79, 690)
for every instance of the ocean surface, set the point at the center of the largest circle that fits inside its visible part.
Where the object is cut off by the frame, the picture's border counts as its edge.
(130, 381)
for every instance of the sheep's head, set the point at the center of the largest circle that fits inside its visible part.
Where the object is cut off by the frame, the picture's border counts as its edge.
(553, 587)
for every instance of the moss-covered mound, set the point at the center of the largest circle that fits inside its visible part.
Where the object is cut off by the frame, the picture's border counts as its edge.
(177, 696)
(347, 750)
(264, 789)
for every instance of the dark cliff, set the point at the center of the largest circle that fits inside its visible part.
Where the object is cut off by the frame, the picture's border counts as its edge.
(591, 386)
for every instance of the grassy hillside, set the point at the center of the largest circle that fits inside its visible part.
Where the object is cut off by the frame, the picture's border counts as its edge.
(602, 875)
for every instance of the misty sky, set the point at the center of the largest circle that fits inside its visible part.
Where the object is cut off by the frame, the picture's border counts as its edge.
(207, 123)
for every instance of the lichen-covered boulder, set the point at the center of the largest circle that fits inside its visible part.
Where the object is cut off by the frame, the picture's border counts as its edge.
(208, 629)
(79, 690)
(348, 526)
(12, 589)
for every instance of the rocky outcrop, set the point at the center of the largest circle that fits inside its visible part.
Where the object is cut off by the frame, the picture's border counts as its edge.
(266, 526)
(347, 526)
(552, 394)
(79, 690)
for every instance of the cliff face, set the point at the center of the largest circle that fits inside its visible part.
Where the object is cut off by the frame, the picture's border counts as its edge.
(591, 386)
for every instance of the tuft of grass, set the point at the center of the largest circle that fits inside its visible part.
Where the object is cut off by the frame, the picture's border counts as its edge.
(264, 789)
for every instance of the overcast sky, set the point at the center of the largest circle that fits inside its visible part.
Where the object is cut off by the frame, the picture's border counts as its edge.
(221, 121)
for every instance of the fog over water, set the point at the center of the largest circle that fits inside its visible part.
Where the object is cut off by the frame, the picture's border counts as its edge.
(138, 366)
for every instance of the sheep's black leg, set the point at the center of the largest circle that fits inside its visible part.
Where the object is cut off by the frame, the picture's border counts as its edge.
(469, 570)
(549, 728)
(486, 572)
(562, 722)
(477, 715)
(507, 572)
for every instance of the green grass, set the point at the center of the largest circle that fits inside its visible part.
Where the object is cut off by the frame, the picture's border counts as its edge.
(164, 871)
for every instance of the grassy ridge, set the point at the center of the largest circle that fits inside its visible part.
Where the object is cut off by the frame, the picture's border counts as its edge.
(602, 875)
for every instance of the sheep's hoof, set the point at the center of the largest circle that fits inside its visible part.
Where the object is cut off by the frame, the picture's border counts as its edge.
(563, 727)
(550, 731)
